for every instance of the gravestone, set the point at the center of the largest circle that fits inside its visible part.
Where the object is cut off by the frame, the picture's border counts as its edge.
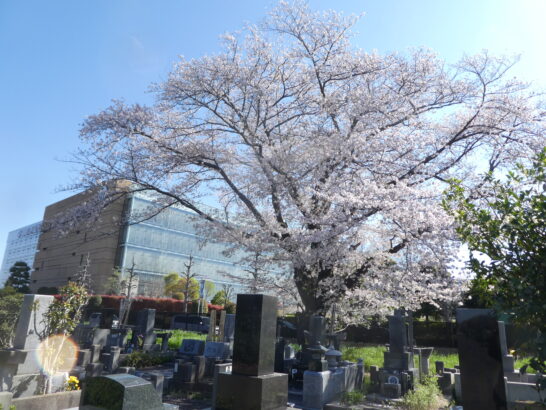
(111, 360)
(508, 361)
(252, 383)
(191, 367)
(145, 328)
(95, 320)
(29, 323)
(93, 370)
(211, 336)
(100, 336)
(424, 354)
(216, 350)
(95, 353)
(398, 364)
(221, 326)
(480, 360)
(84, 357)
(191, 347)
(19, 367)
(120, 392)
(229, 328)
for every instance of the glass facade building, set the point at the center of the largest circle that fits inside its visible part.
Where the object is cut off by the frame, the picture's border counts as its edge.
(164, 243)
(21, 246)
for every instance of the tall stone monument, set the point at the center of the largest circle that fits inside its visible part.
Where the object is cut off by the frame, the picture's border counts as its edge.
(145, 328)
(253, 383)
(398, 374)
(19, 367)
(480, 360)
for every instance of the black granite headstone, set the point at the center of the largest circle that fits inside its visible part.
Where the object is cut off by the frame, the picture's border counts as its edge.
(480, 359)
(397, 333)
(120, 392)
(255, 325)
(252, 384)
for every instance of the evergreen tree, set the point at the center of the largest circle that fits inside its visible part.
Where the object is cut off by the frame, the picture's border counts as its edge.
(19, 278)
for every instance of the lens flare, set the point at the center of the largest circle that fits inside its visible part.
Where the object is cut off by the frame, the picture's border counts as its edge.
(57, 354)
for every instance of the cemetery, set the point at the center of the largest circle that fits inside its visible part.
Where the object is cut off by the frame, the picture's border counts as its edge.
(376, 220)
(251, 360)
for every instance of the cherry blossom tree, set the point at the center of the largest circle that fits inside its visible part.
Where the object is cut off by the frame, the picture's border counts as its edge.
(327, 158)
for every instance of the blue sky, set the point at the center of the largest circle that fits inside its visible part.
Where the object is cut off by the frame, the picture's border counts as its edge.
(63, 60)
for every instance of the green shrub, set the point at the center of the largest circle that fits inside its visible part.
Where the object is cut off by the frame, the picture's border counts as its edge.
(230, 307)
(425, 396)
(10, 306)
(353, 397)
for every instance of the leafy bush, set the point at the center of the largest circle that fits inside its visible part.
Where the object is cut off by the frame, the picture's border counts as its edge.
(10, 306)
(425, 396)
(353, 397)
(230, 307)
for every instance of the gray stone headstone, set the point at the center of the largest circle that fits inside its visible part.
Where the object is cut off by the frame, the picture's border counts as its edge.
(84, 357)
(100, 336)
(439, 367)
(158, 381)
(95, 319)
(200, 364)
(192, 347)
(145, 327)
(216, 350)
(95, 353)
(480, 360)
(212, 328)
(397, 333)
(120, 392)
(502, 338)
(229, 328)
(93, 370)
(30, 322)
(289, 352)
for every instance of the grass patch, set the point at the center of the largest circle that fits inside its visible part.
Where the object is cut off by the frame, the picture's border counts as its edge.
(373, 356)
(178, 335)
(425, 396)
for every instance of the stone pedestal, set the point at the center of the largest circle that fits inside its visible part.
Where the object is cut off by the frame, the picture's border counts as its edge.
(241, 392)
(320, 388)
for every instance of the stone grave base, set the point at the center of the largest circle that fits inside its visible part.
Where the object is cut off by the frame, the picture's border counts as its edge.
(24, 385)
(320, 388)
(267, 392)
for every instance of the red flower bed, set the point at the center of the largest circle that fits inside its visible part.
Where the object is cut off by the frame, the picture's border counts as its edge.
(159, 304)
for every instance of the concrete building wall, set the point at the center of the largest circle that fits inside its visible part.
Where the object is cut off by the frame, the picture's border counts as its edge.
(61, 257)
